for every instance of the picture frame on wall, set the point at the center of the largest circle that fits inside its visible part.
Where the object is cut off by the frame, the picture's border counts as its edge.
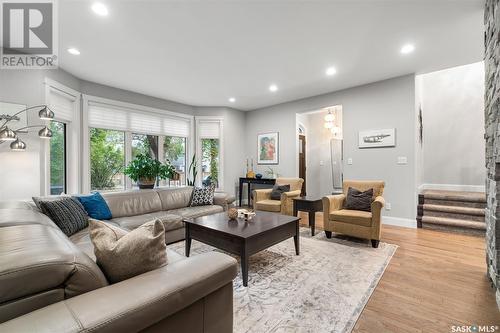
(268, 148)
(379, 138)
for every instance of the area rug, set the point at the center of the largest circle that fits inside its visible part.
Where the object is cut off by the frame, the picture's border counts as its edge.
(324, 289)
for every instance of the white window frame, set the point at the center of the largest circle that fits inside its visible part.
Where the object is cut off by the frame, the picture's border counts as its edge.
(73, 152)
(190, 140)
(220, 121)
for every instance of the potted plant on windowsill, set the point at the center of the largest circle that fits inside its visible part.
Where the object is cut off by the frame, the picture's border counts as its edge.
(145, 171)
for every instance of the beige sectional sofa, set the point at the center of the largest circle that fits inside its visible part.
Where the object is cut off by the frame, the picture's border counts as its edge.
(51, 283)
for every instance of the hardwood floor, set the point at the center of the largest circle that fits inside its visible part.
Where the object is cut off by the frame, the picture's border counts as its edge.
(435, 280)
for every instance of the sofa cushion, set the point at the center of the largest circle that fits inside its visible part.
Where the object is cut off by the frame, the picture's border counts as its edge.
(202, 196)
(131, 203)
(173, 198)
(268, 205)
(192, 212)
(122, 254)
(67, 213)
(359, 200)
(278, 190)
(170, 221)
(357, 217)
(37, 200)
(95, 206)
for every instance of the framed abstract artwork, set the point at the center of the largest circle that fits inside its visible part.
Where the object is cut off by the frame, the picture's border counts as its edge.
(268, 148)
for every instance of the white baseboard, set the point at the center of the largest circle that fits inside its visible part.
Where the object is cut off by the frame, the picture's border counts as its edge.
(399, 221)
(452, 187)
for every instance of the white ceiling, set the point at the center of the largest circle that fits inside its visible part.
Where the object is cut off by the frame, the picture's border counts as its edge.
(203, 52)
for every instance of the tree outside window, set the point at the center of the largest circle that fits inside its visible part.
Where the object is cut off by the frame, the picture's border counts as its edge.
(107, 159)
(57, 158)
(210, 161)
(175, 151)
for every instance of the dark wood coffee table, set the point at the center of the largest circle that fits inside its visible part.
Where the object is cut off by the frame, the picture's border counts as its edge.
(310, 205)
(240, 237)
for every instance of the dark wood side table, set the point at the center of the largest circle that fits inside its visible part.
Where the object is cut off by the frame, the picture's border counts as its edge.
(250, 181)
(240, 237)
(310, 205)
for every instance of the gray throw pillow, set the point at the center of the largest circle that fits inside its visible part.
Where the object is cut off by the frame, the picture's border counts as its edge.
(203, 196)
(357, 200)
(37, 200)
(277, 190)
(67, 213)
(122, 255)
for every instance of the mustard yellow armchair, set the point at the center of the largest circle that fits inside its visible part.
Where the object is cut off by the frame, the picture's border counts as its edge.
(262, 198)
(354, 223)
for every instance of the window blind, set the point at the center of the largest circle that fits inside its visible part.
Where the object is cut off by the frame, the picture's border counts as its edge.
(209, 129)
(122, 119)
(62, 104)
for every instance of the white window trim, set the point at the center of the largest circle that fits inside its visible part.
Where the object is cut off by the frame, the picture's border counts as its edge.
(73, 153)
(85, 174)
(220, 120)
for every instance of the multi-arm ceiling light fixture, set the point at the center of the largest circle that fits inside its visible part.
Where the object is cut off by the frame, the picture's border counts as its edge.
(12, 135)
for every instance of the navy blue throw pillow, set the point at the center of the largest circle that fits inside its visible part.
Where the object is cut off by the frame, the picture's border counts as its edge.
(95, 206)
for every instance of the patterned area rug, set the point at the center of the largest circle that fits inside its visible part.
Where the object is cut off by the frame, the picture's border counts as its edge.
(324, 289)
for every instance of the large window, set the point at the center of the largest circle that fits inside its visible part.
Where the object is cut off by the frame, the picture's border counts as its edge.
(210, 161)
(209, 150)
(57, 158)
(174, 149)
(107, 159)
(127, 130)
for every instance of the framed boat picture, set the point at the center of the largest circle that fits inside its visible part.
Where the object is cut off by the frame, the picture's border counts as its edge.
(268, 148)
(377, 138)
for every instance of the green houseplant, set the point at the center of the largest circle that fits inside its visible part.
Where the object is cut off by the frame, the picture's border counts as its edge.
(145, 171)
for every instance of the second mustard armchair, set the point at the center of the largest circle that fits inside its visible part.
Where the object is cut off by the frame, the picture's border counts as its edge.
(262, 198)
(354, 223)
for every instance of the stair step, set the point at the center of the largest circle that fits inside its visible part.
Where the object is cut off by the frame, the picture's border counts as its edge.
(455, 196)
(469, 204)
(447, 228)
(443, 221)
(454, 209)
(453, 212)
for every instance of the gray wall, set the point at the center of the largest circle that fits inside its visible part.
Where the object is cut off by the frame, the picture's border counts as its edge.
(384, 104)
(453, 117)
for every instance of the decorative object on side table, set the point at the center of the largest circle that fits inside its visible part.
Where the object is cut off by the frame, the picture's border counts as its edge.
(232, 213)
(258, 176)
(250, 173)
(268, 148)
(145, 171)
(12, 135)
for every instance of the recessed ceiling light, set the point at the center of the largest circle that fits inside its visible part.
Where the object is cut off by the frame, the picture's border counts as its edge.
(73, 51)
(273, 88)
(331, 71)
(100, 9)
(232, 99)
(407, 48)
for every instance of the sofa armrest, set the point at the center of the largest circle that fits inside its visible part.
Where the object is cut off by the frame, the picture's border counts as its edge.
(263, 194)
(134, 304)
(331, 203)
(287, 201)
(376, 209)
(220, 199)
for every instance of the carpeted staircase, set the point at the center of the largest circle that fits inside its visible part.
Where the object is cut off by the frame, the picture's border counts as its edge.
(452, 211)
